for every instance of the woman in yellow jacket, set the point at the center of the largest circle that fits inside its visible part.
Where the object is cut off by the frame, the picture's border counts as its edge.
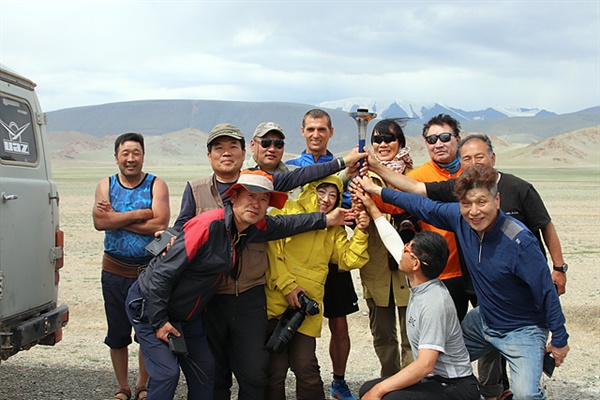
(300, 264)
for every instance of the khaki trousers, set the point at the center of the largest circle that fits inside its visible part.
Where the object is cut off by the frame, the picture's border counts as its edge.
(393, 356)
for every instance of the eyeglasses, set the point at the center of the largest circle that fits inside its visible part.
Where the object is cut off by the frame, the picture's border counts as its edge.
(266, 143)
(444, 137)
(386, 137)
(408, 250)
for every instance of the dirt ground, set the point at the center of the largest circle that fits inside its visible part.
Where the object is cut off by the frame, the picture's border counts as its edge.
(79, 366)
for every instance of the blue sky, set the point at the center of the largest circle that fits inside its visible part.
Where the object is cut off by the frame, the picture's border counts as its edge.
(465, 54)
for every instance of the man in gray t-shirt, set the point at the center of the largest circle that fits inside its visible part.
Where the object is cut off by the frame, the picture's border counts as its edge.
(442, 369)
(432, 323)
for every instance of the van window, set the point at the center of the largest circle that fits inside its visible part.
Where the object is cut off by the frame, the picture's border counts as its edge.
(17, 132)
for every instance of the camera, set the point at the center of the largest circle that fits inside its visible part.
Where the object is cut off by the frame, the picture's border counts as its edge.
(290, 321)
(308, 305)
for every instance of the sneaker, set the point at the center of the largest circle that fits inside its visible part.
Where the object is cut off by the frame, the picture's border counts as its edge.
(506, 395)
(340, 390)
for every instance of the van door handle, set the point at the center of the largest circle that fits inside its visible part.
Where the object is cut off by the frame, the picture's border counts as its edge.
(7, 197)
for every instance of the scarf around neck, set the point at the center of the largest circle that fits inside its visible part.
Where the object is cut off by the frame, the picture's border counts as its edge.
(451, 167)
(400, 162)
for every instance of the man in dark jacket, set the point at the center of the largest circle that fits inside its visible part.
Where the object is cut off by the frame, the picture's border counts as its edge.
(177, 286)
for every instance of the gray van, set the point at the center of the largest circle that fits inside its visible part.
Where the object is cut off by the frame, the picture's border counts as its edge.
(31, 243)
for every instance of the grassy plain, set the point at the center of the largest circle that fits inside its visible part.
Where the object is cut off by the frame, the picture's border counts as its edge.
(572, 197)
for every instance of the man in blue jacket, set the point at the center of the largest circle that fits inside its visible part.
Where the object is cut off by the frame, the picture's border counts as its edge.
(503, 256)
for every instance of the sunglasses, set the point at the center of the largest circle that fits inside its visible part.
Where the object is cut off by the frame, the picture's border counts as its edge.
(408, 249)
(266, 143)
(386, 137)
(444, 137)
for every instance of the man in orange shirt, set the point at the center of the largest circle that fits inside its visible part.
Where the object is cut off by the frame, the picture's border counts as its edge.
(442, 136)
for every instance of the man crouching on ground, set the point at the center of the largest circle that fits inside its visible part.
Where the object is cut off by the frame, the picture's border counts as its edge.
(177, 286)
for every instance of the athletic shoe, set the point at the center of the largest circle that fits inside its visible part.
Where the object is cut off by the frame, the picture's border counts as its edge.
(340, 390)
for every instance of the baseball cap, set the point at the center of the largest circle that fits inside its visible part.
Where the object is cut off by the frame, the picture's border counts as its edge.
(224, 129)
(257, 181)
(266, 127)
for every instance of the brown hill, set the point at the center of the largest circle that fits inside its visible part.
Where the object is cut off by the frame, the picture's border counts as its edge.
(580, 148)
(185, 147)
(188, 147)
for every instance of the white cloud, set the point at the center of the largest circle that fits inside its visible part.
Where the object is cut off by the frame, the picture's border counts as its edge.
(466, 54)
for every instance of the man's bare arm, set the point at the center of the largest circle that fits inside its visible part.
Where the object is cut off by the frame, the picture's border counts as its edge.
(554, 248)
(161, 211)
(106, 218)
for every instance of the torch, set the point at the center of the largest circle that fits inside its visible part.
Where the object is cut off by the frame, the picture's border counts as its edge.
(362, 116)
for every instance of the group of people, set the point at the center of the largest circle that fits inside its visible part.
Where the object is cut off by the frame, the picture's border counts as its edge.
(258, 237)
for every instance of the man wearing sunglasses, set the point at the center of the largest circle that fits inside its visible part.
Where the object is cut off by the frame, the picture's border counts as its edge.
(267, 147)
(442, 138)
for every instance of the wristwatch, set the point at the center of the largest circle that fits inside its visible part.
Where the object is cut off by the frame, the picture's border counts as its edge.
(562, 268)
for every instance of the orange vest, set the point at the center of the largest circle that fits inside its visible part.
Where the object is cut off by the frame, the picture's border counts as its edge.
(431, 172)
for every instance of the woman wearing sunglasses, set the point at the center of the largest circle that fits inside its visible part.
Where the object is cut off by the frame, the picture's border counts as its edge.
(384, 286)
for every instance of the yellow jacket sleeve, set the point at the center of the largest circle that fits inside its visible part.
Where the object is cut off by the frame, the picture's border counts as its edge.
(352, 253)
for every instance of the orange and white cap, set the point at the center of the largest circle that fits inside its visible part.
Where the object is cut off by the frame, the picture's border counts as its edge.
(257, 181)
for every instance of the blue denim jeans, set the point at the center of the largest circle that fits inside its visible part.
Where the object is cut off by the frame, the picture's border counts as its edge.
(162, 364)
(523, 349)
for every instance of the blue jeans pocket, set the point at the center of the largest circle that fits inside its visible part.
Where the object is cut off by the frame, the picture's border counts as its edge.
(137, 308)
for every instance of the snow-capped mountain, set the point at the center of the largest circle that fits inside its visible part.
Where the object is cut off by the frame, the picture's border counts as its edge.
(390, 108)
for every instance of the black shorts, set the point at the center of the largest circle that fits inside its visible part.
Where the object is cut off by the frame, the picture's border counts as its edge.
(340, 297)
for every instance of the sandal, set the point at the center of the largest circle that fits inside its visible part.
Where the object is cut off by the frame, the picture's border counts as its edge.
(140, 393)
(122, 394)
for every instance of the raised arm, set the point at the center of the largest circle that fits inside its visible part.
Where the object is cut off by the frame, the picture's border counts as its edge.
(399, 181)
(350, 254)
(286, 181)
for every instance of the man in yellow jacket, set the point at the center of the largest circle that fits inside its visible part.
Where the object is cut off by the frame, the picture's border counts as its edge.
(300, 264)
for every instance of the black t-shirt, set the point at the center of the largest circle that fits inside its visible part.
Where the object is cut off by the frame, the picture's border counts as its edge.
(518, 198)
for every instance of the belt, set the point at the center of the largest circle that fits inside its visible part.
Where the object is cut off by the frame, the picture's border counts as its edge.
(116, 267)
